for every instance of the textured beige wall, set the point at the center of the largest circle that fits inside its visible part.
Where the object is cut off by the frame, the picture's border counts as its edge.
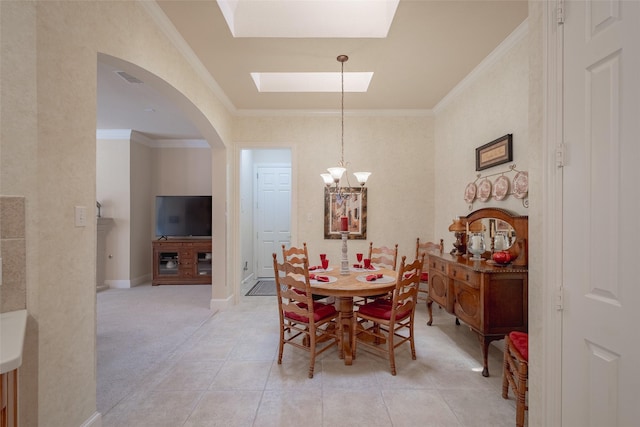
(494, 104)
(48, 107)
(142, 207)
(113, 182)
(397, 150)
(181, 171)
(13, 293)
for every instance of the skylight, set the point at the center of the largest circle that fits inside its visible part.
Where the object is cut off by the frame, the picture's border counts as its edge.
(311, 82)
(309, 18)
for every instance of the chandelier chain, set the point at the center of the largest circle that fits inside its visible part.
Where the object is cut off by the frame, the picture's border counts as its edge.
(342, 113)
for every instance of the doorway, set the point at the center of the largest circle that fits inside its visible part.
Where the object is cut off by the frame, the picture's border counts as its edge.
(265, 208)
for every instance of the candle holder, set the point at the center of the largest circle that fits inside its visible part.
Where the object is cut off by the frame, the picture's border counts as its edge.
(344, 261)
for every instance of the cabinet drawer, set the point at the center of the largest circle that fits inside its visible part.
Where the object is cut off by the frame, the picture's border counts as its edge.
(470, 277)
(438, 265)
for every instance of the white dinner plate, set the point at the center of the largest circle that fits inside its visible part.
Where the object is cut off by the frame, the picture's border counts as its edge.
(383, 279)
(358, 270)
(331, 280)
(321, 270)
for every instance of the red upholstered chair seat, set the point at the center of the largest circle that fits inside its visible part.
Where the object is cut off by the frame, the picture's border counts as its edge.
(424, 276)
(320, 311)
(381, 309)
(520, 341)
(516, 371)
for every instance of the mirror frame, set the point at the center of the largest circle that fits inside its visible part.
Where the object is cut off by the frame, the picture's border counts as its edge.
(519, 250)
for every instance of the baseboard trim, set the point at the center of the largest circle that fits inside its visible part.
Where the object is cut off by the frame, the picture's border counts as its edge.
(220, 304)
(118, 284)
(95, 420)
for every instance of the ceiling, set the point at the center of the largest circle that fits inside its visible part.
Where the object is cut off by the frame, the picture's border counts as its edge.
(431, 46)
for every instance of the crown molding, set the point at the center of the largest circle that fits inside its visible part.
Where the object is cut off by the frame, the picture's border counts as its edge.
(132, 135)
(518, 34)
(335, 113)
(113, 133)
(183, 47)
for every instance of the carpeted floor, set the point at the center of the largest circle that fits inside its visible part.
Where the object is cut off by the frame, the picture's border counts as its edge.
(263, 288)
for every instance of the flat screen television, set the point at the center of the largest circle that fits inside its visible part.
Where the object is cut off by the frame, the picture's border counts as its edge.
(183, 216)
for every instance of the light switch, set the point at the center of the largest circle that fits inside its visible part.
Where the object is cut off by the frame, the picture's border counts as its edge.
(81, 216)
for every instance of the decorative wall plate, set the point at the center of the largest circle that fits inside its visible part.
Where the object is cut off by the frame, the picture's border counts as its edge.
(500, 187)
(521, 185)
(470, 192)
(484, 190)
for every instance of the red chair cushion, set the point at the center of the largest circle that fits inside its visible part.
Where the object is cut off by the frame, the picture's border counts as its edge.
(424, 276)
(520, 341)
(320, 311)
(381, 309)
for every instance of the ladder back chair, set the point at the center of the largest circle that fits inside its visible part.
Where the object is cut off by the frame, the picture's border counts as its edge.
(304, 323)
(423, 249)
(383, 256)
(516, 371)
(390, 320)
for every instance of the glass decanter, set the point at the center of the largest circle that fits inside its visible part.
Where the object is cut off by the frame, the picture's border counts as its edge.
(476, 245)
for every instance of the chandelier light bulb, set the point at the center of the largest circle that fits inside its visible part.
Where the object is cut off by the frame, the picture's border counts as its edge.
(362, 177)
(336, 172)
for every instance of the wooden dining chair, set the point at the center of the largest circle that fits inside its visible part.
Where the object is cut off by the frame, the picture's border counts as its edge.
(295, 255)
(391, 320)
(383, 256)
(304, 323)
(423, 249)
(516, 371)
(298, 256)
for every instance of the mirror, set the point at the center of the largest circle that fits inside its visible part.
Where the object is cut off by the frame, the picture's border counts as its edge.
(502, 230)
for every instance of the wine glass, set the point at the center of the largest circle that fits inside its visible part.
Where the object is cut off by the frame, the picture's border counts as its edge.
(359, 258)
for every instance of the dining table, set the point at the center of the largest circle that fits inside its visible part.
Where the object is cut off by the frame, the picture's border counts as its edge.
(345, 287)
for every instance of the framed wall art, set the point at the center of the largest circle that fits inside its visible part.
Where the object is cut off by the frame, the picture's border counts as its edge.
(494, 153)
(350, 202)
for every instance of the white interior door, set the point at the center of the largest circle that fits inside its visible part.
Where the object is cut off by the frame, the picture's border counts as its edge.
(601, 349)
(273, 215)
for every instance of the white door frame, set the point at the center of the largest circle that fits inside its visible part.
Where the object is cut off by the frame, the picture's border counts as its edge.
(549, 343)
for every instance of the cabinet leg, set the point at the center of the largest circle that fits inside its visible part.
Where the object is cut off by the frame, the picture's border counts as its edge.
(430, 311)
(484, 345)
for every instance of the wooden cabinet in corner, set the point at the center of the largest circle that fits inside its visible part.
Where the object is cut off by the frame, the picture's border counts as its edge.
(182, 262)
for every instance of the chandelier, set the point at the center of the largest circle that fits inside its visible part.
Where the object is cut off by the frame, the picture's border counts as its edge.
(334, 175)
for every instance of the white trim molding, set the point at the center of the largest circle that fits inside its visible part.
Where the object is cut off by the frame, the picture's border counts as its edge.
(550, 414)
(518, 34)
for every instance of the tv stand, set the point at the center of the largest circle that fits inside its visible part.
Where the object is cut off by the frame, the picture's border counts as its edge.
(181, 262)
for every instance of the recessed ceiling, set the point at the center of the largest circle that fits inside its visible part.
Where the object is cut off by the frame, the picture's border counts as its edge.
(431, 46)
(308, 18)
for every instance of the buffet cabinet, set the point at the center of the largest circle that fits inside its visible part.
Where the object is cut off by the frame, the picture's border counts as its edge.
(492, 299)
(181, 262)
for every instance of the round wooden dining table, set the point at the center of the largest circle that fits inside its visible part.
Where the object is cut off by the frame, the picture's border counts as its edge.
(344, 289)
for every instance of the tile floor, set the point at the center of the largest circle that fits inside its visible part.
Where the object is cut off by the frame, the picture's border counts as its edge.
(226, 374)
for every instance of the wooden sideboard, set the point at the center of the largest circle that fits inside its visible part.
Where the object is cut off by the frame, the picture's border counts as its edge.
(491, 299)
(182, 262)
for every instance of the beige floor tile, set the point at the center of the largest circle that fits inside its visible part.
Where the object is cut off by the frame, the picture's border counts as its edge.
(290, 408)
(406, 407)
(225, 408)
